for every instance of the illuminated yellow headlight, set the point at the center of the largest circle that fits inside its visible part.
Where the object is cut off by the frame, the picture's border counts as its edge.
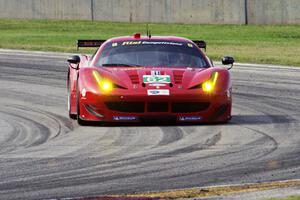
(104, 85)
(209, 85)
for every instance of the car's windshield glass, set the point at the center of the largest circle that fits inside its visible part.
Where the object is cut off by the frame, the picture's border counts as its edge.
(156, 53)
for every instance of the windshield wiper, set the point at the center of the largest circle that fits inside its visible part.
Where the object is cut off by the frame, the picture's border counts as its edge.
(120, 64)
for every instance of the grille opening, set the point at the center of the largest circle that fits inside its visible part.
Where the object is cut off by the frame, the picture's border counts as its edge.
(178, 77)
(134, 78)
(135, 107)
(186, 107)
(180, 107)
(221, 110)
(158, 107)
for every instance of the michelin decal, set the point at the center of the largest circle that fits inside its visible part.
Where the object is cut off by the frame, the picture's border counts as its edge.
(158, 92)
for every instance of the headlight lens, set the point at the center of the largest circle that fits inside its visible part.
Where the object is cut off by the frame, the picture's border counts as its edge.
(104, 85)
(209, 85)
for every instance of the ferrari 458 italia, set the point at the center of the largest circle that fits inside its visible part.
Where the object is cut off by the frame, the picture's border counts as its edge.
(143, 78)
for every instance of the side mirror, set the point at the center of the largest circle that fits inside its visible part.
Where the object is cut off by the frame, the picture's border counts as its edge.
(74, 60)
(228, 60)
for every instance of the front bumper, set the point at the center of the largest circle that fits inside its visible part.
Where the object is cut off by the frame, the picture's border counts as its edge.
(191, 107)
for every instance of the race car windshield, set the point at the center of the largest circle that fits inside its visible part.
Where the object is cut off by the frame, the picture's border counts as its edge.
(157, 53)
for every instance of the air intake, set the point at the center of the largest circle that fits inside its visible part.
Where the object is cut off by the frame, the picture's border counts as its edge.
(134, 78)
(178, 76)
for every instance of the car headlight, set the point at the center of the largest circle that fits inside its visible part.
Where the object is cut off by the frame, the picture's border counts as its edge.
(104, 84)
(209, 85)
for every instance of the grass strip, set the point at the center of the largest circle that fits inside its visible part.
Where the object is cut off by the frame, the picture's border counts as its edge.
(270, 44)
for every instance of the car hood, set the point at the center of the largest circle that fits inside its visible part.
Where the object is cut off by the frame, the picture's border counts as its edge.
(128, 76)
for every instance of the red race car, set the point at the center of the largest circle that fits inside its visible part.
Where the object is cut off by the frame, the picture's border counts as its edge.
(143, 78)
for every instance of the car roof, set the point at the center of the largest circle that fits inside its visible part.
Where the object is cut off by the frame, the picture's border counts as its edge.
(165, 38)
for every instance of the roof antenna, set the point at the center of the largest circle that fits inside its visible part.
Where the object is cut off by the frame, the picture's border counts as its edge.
(147, 28)
(148, 32)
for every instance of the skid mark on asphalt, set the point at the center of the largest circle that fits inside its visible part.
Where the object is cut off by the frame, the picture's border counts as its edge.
(260, 143)
(31, 127)
(171, 134)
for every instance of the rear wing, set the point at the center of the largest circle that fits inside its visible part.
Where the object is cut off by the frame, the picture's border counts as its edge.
(200, 43)
(97, 43)
(89, 43)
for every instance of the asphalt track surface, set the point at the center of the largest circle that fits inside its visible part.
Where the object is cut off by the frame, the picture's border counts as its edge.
(44, 154)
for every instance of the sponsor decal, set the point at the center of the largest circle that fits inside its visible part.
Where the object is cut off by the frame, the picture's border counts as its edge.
(128, 43)
(190, 118)
(114, 44)
(156, 79)
(131, 43)
(158, 92)
(124, 118)
(162, 43)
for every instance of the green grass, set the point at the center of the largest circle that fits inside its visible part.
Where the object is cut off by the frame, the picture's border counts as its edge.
(286, 198)
(278, 44)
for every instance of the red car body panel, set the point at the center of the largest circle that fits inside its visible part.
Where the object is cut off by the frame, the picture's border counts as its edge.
(130, 102)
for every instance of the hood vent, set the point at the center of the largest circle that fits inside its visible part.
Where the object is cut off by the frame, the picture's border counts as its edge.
(134, 78)
(178, 76)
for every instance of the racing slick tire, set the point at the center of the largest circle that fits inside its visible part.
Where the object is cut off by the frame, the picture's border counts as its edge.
(71, 115)
(79, 120)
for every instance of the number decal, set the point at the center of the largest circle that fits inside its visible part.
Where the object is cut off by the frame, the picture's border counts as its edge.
(156, 79)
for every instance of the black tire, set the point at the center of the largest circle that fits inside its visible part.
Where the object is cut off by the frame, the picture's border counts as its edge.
(72, 116)
(79, 120)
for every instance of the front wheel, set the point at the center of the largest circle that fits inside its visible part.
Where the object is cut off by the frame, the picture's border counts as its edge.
(71, 115)
(79, 120)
